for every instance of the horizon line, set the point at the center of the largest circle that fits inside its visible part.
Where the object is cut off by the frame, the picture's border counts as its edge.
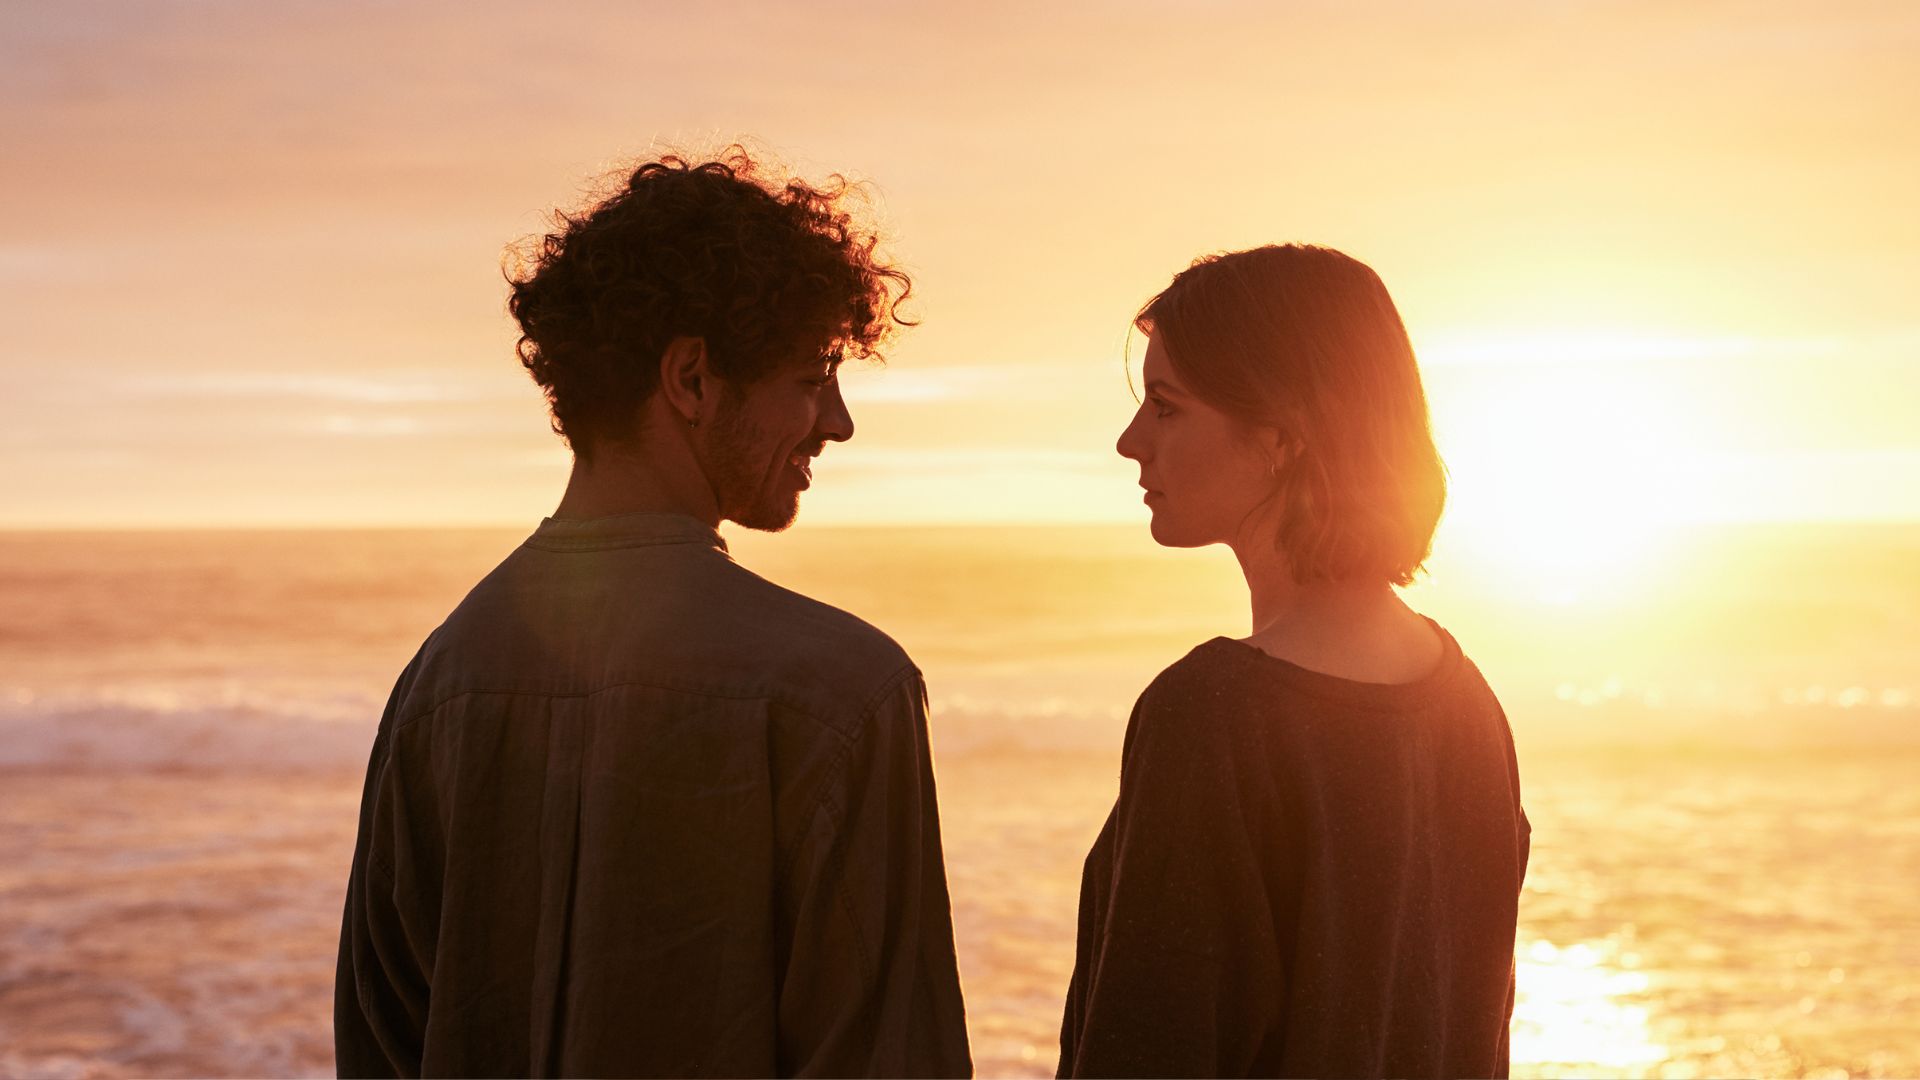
(52, 528)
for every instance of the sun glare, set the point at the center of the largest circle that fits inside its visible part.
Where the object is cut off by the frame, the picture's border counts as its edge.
(1562, 473)
(1581, 1012)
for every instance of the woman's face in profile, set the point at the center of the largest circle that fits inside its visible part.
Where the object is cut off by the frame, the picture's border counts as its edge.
(1203, 471)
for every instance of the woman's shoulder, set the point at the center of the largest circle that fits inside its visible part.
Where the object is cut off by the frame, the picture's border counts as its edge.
(1205, 674)
(1225, 685)
(1195, 702)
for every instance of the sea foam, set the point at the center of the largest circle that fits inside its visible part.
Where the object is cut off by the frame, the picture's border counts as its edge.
(153, 727)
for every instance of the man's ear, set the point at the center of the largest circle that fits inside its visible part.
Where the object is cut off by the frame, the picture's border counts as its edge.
(689, 386)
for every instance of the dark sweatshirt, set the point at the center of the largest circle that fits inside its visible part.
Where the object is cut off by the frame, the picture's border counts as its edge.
(634, 811)
(1302, 876)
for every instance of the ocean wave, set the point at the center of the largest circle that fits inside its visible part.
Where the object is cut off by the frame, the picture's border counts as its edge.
(233, 725)
(963, 724)
(159, 727)
(230, 726)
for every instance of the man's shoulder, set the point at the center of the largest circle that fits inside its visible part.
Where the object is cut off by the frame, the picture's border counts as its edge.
(812, 643)
(699, 623)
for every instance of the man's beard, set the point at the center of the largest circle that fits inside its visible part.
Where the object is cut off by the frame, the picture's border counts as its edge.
(738, 470)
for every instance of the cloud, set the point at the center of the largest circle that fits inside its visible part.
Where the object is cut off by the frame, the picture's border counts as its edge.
(1585, 347)
(893, 385)
(967, 460)
(385, 389)
(370, 426)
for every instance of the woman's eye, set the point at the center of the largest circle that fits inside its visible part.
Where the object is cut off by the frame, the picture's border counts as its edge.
(1160, 407)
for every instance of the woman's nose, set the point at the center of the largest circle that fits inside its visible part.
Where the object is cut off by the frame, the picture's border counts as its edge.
(1131, 444)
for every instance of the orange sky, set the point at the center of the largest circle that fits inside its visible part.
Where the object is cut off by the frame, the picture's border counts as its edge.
(1659, 259)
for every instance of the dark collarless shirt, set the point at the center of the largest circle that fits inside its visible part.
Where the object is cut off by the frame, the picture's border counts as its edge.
(634, 811)
(1302, 876)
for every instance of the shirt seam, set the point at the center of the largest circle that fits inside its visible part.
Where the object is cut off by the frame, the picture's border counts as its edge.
(386, 873)
(839, 765)
(828, 790)
(1365, 697)
(611, 543)
(382, 764)
(837, 770)
(887, 687)
(840, 883)
(892, 683)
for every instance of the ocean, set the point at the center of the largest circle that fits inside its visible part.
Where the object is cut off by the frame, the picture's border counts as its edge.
(1718, 747)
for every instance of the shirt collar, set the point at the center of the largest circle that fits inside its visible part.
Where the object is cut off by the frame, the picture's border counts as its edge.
(623, 530)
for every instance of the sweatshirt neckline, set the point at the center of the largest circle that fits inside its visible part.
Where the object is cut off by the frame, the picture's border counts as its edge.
(1320, 684)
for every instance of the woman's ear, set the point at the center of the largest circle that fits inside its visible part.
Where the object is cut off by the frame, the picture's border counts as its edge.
(685, 379)
(1276, 445)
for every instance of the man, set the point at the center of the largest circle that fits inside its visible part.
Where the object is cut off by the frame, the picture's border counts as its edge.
(633, 810)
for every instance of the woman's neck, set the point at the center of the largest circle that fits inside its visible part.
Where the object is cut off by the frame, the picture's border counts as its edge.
(1355, 630)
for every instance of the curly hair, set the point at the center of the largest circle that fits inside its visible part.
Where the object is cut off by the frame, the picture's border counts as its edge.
(1306, 339)
(767, 269)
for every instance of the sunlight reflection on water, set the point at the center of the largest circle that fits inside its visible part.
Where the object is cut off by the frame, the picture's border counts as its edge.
(1578, 1009)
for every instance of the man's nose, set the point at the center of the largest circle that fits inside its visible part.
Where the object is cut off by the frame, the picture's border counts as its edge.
(835, 423)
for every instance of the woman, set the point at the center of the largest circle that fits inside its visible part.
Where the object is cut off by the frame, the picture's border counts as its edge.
(1314, 862)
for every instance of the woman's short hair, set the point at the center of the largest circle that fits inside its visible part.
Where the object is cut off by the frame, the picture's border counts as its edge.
(769, 270)
(1306, 339)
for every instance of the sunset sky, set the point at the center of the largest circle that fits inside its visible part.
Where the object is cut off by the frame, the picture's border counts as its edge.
(1659, 260)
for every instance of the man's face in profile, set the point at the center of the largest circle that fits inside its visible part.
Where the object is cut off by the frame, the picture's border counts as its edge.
(766, 435)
